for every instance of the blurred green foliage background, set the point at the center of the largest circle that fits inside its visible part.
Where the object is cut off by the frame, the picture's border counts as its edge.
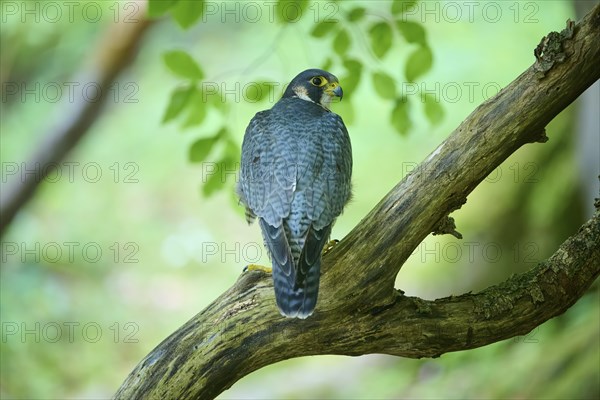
(98, 269)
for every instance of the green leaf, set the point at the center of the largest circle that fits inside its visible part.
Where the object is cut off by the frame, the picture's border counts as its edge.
(197, 109)
(341, 43)
(232, 150)
(418, 63)
(253, 92)
(433, 110)
(322, 28)
(327, 64)
(345, 110)
(219, 101)
(352, 78)
(385, 86)
(413, 32)
(179, 99)
(186, 12)
(381, 38)
(356, 14)
(400, 118)
(225, 169)
(201, 148)
(223, 134)
(289, 11)
(269, 88)
(156, 8)
(402, 6)
(182, 64)
(353, 66)
(256, 91)
(214, 182)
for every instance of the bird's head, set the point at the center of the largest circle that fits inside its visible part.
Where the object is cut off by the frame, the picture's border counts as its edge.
(315, 85)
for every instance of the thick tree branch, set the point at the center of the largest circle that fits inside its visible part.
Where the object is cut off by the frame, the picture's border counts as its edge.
(74, 118)
(359, 311)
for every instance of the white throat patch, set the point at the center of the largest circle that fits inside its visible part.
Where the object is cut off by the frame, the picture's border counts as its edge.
(325, 100)
(303, 94)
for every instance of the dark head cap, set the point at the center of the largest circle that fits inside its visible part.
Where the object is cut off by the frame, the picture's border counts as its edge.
(315, 85)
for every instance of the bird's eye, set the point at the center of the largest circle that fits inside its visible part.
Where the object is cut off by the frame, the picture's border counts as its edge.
(317, 81)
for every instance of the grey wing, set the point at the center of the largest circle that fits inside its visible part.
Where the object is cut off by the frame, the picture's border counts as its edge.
(331, 188)
(267, 182)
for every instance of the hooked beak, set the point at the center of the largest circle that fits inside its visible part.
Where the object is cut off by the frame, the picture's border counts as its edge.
(335, 89)
(338, 91)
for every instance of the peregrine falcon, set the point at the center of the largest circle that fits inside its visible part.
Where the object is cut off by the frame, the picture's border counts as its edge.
(295, 177)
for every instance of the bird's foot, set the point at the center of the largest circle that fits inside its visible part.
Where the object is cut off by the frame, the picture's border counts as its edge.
(330, 245)
(256, 267)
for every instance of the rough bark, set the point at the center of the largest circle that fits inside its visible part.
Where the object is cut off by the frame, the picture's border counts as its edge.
(359, 311)
(73, 119)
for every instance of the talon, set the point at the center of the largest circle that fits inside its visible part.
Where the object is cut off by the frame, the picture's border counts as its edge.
(256, 267)
(330, 245)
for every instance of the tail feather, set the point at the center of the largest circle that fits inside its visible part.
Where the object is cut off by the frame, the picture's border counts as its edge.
(279, 248)
(296, 281)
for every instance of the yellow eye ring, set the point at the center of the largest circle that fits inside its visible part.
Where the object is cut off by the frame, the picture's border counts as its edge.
(318, 81)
